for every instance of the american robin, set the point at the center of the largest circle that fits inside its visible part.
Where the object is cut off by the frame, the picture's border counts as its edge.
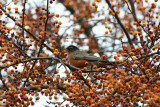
(81, 59)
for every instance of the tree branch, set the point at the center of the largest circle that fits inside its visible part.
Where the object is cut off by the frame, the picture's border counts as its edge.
(26, 30)
(24, 8)
(120, 23)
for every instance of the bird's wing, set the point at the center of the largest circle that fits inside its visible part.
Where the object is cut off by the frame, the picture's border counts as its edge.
(80, 55)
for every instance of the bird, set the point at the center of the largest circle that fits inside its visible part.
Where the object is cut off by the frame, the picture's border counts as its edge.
(81, 59)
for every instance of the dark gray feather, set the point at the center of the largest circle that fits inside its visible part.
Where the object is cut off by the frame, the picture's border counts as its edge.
(79, 55)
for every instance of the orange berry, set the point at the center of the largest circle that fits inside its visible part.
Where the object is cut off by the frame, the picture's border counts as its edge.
(118, 55)
(112, 71)
(85, 68)
(50, 98)
(138, 28)
(54, 42)
(83, 102)
(43, 8)
(56, 50)
(16, 22)
(57, 15)
(103, 57)
(56, 21)
(117, 11)
(9, 8)
(15, 2)
(40, 36)
(65, 54)
(110, 30)
(86, 63)
(134, 58)
(109, 19)
(22, 38)
(32, 40)
(16, 8)
(121, 61)
(34, 49)
(94, 67)
(143, 24)
(9, 84)
(64, 59)
(131, 53)
(106, 32)
(125, 54)
(134, 23)
(158, 82)
(93, 4)
(44, 17)
(99, 69)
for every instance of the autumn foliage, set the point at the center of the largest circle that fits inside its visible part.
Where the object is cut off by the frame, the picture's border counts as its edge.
(33, 38)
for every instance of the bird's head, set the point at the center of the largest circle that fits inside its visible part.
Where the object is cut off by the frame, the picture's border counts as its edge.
(71, 48)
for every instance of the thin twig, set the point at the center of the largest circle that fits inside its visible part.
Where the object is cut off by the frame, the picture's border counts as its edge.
(26, 30)
(3, 82)
(53, 58)
(143, 56)
(134, 14)
(24, 8)
(16, 45)
(120, 23)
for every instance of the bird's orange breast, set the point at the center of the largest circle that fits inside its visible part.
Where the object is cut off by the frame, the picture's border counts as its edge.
(77, 63)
